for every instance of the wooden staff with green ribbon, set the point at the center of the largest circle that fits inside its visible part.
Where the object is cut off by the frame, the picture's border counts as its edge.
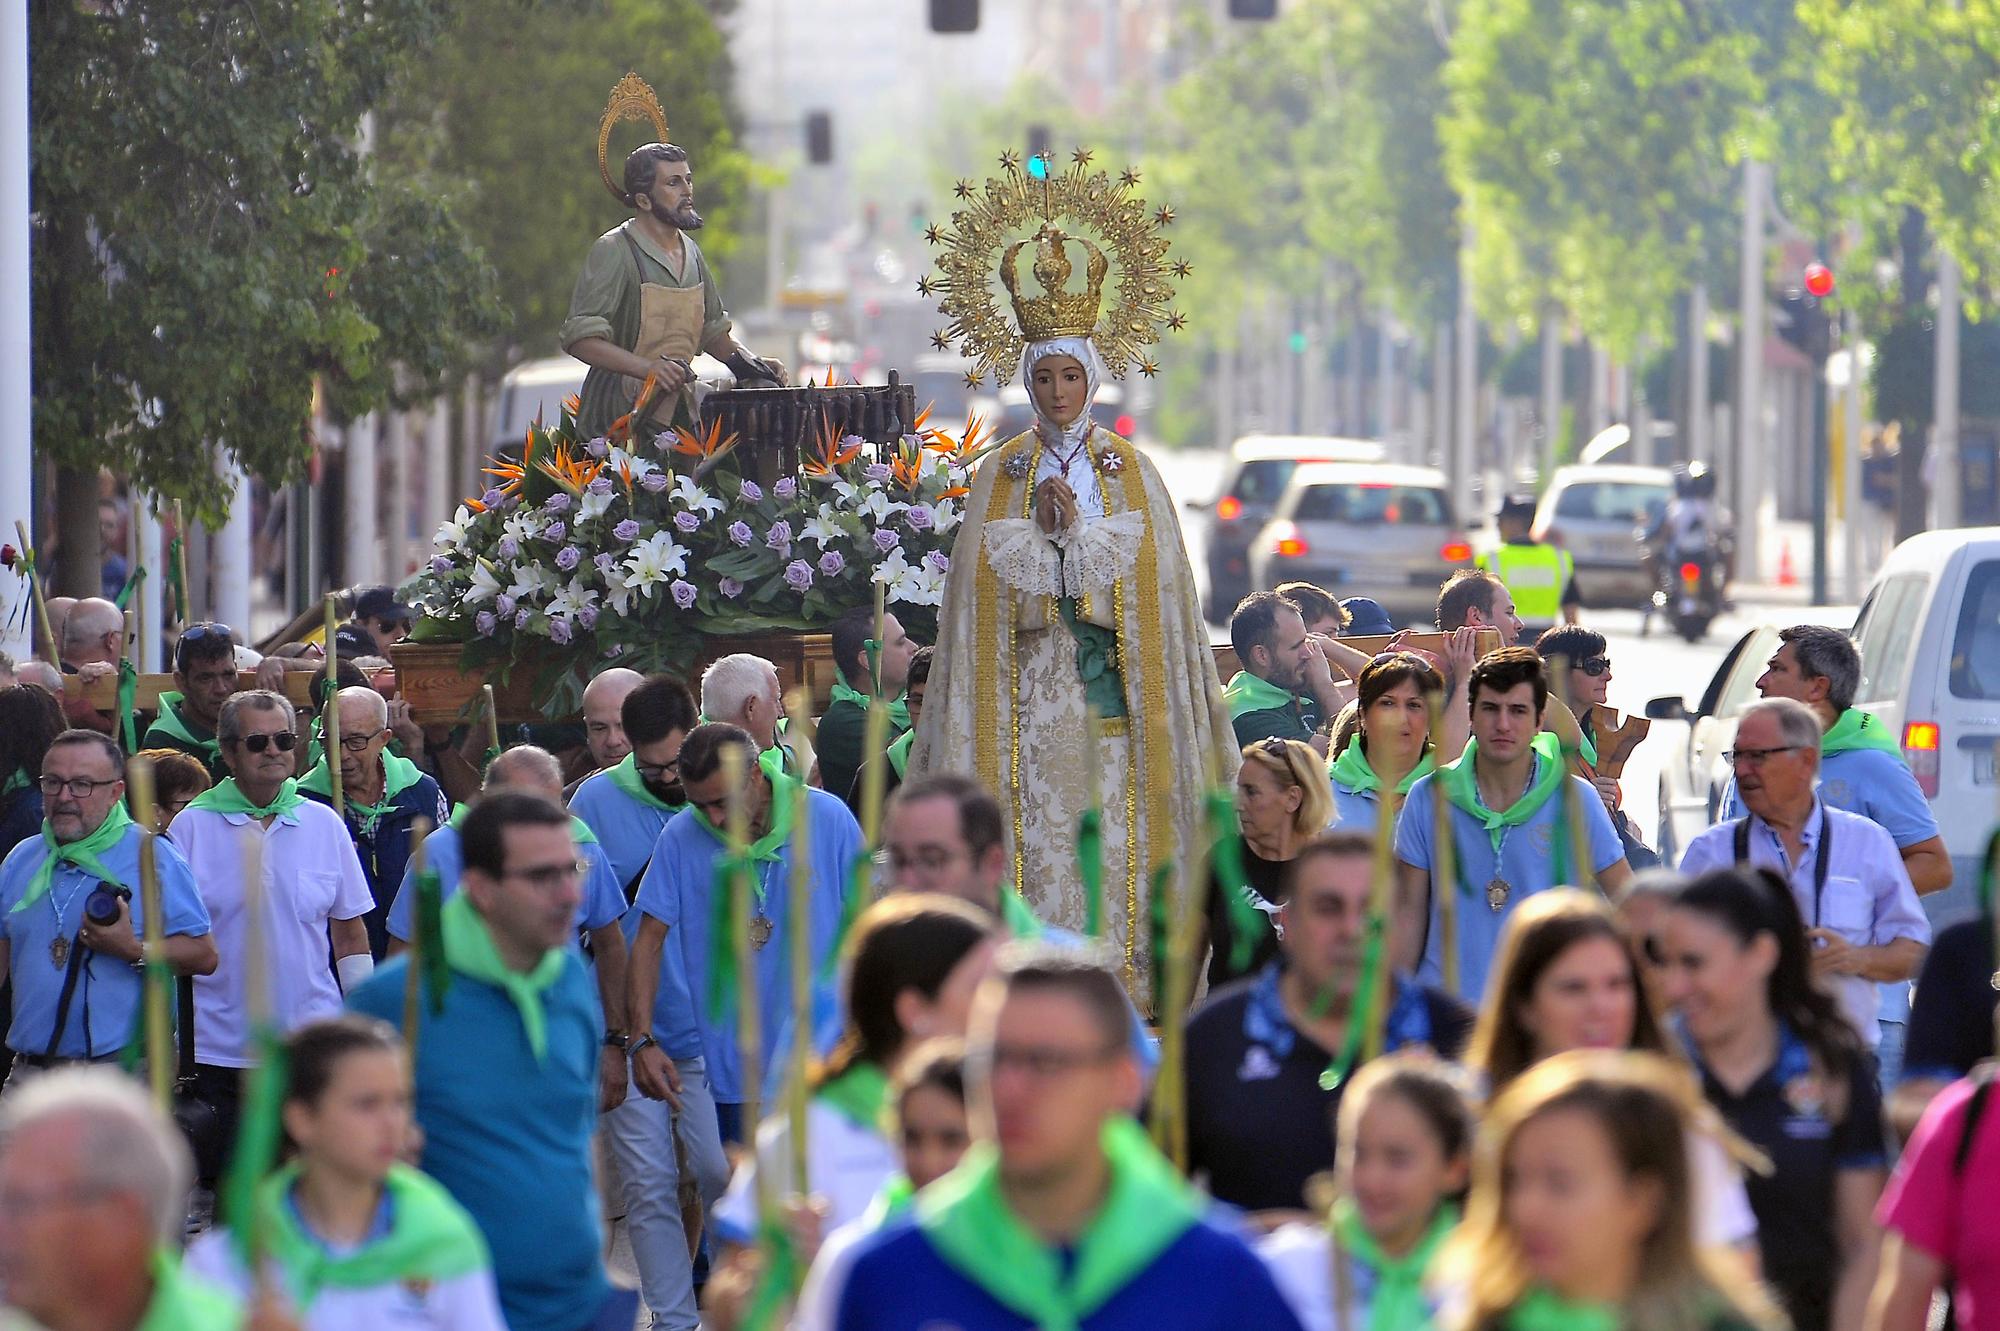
(799, 925)
(159, 979)
(259, 1128)
(1090, 830)
(1444, 858)
(413, 978)
(329, 710)
(51, 648)
(1368, 1010)
(1574, 827)
(874, 772)
(177, 567)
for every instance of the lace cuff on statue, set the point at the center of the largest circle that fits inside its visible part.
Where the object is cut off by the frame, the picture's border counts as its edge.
(1100, 551)
(1023, 557)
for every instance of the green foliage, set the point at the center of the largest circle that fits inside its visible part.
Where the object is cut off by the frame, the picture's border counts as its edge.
(209, 236)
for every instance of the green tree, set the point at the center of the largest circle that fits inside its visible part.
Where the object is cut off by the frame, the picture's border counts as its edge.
(210, 237)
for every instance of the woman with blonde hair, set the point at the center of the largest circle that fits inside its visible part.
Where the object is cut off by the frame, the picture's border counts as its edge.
(1581, 1215)
(1283, 800)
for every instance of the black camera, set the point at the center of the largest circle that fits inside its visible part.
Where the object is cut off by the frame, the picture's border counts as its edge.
(101, 906)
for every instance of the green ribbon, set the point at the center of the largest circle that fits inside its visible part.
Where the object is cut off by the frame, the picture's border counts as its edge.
(260, 1130)
(127, 700)
(899, 708)
(1541, 1309)
(227, 797)
(83, 853)
(175, 726)
(1585, 745)
(722, 978)
(1461, 787)
(1225, 853)
(428, 927)
(175, 585)
(892, 1201)
(858, 1095)
(1398, 1301)
(1353, 773)
(899, 753)
(469, 947)
(1361, 1015)
(1159, 918)
(13, 781)
(859, 875)
(429, 1239)
(1089, 863)
(1857, 729)
(624, 774)
(1146, 1210)
(180, 1303)
(783, 1273)
(1249, 693)
(1018, 917)
(398, 775)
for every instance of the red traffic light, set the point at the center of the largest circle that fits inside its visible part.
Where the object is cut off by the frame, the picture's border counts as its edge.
(1819, 280)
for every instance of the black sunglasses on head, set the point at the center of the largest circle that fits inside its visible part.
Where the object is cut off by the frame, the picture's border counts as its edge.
(284, 740)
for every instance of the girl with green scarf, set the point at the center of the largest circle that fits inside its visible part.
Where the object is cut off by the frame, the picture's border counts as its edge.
(1384, 742)
(352, 1237)
(1405, 1142)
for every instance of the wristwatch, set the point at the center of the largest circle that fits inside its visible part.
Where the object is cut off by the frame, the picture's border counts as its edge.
(640, 1042)
(617, 1040)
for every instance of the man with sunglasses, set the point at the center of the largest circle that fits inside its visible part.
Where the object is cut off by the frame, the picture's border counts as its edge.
(382, 793)
(1584, 654)
(312, 895)
(76, 982)
(204, 677)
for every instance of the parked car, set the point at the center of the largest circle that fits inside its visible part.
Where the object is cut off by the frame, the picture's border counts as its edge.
(1594, 512)
(1694, 775)
(1259, 467)
(1364, 529)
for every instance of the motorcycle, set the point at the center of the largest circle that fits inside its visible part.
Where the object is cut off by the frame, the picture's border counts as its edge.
(1690, 591)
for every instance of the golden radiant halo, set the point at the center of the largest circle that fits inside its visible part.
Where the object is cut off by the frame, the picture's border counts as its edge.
(1094, 205)
(631, 99)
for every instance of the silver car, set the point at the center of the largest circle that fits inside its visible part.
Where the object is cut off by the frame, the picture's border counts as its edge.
(1594, 513)
(1365, 529)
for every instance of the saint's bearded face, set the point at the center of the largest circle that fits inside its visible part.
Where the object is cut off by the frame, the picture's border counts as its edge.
(672, 197)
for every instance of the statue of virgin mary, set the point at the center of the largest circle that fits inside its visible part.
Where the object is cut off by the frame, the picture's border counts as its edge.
(1070, 594)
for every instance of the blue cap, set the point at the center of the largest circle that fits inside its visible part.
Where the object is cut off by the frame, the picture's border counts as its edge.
(1366, 618)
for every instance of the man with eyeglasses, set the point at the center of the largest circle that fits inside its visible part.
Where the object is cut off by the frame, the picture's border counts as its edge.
(311, 894)
(1062, 1213)
(1861, 912)
(76, 980)
(383, 795)
(507, 1073)
(1583, 655)
(204, 677)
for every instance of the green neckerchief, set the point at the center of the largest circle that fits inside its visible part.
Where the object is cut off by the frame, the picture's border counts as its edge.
(1018, 916)
(1857, 729)
(227, 797)
(398, 775)
(15, 780)
(468, 946)
(1146, 1211)
(858, 1095)
(83, 854)
(1398, 1301)
(766, 847)
(624, 774)
(429, 1239)
(893, 1201)
(1585, 745)
(899, 753)
(1541, 1309)
(174, 724)
(1248, 693)
(1461, 787)
(579, 830)
(1353, 773)
(181, 1303)
(899, 708)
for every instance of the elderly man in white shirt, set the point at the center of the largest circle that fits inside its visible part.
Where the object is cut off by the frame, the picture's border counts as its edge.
(1861, 912)
(313, 893)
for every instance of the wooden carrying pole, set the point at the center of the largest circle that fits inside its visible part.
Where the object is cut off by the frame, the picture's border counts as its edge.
(329, 716)
(52, 649)
(800, 939)
(159, 1036)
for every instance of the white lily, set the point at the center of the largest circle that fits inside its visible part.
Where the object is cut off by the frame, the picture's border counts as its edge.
(617, 592)
(523, 524)
(880, 507)
(945, 516)
(693, 498)
(847, 492)
(823, 528)
(451, 533)
(893, 568)
(531, 580)
(571, 598)
(922, 585)
(592, 505)
(485, 586)
(652, 560)
(635, 466)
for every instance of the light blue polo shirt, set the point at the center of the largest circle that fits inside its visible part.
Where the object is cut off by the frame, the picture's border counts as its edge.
(603, 902)
(1529, 860)
(108, 991)
(678, 890)
(1355, 810)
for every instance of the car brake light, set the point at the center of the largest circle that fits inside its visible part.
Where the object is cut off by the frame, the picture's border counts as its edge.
(1690, 573)
(1124, 426)
(1456, 551)
(1920, 751)
(1289, 544)
(1229, 508)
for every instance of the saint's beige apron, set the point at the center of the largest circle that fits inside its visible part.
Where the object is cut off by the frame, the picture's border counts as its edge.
(670, 324)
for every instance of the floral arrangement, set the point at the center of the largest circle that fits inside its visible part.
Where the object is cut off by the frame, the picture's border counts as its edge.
(635, 550)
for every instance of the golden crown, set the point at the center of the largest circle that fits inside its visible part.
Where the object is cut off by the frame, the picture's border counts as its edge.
(1059, 312)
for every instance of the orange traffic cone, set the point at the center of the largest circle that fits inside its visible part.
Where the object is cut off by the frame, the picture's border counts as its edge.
(1787, 575)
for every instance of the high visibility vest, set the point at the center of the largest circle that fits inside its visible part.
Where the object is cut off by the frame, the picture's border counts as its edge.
(1535, 575)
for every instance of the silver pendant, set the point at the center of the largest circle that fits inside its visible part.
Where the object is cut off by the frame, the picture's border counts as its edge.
(59, 952)
(1497, 893)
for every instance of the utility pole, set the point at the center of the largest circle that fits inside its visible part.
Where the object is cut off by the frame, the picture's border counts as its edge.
(1944, 415)
(1548, 407)
(17, 414)
(1749, 413)
(1465, 399)
(1697, 428)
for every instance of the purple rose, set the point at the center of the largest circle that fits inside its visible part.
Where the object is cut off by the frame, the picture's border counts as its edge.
(752, 492)
(605, 563)
(557, 502)
(740, 533)
(628, 530)
(798, 575)
(730, 588)
(919, 518)
(852, 441)
(555, 531)
(559, 629)
(937, 561)
(877, 472)
(600, 485)
(655, 481)
(687, 521)
(586, 618)
(503, 605)
(492, 498)
(598, 447)
(568, 558)
(786, 488)
(665, 440)
(485, 623)
(522, 616)
(683, 592)
(509, 548)
(440, 564)
(886, 540)
(832, 562)
(780, 535)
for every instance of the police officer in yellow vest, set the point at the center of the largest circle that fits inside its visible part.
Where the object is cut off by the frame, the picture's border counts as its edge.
(1541, 578)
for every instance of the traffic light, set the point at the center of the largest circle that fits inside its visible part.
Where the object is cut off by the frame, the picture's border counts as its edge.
(1802, 321)
(1038, 141)
(819, 138)
(954, 15)
(1253, 9)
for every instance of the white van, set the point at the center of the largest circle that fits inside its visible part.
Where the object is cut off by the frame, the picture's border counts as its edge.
(1929, 636)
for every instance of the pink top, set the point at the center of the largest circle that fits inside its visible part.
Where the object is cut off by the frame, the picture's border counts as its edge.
(1938, 1210)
